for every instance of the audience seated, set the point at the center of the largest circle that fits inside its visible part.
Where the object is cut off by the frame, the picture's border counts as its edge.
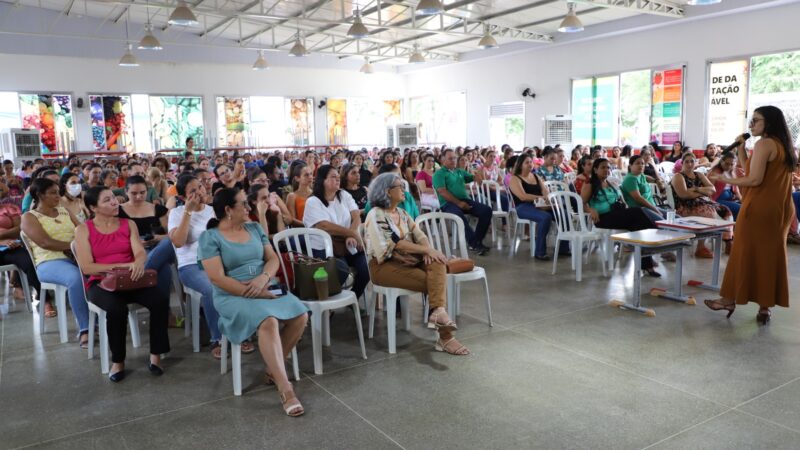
(527, 188)
(424, 181)
(106, 242)
(450, 184)
(49, 229)
(302, 180)
(725, 194)
(267, 209)
(351, 178)
(11, 248)
(584, 172)
(240, 275)
(72, 196)
(333, 210)
(608, 210)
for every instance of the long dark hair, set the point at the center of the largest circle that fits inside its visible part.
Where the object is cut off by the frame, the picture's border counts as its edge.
(519, 162)
(319, 183)
(224, 198)
(92, 196)
(294, 172)
(183, 181)
(38, 187)
(343, 174)
(595, 182)
(776, 128)
(582, 162)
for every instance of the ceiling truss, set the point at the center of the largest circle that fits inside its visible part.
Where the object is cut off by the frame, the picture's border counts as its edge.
(661, 8)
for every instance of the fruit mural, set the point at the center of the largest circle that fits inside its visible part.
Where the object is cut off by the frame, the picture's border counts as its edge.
(173, 119)
(51, 115)
(301, 127)
(234, 116)
(111, 122)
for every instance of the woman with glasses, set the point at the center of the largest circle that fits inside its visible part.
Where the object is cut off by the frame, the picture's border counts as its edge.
(757, 268)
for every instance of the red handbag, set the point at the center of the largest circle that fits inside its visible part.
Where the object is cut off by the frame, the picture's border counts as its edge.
(288, 280)
(460, 265)
(119, 279)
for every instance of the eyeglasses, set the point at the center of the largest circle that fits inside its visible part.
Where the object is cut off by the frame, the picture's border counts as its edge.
(396, 186)
(754, 120)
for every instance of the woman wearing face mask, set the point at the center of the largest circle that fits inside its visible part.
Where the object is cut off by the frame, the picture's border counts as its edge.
(71, 198)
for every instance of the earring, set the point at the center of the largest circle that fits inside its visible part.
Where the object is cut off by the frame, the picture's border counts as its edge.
(229, 217)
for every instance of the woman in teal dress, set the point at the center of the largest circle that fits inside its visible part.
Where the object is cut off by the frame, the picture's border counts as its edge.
(240, 261)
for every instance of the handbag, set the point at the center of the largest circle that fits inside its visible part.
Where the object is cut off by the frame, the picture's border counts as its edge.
(303, 268)
(460, 265)
(119, 279)
(339, 246)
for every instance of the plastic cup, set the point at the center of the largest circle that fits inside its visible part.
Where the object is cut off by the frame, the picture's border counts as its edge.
(670, 216)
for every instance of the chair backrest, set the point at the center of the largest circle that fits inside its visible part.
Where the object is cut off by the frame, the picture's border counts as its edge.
(703, 170)
(490, 195)
(297, 240)
(670, 197)
(474, 191)
(27, 244)
(445, 232)
(556, 186)
(568, 211)
(511, 205)
(569, 177)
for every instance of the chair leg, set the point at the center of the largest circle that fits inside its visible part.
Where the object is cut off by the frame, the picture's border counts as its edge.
(316, 339)
(372, 303)
(391, 322)
(357, 314)
(92, 319)
(295, 365)
(236, 363)
(133, 321)
(41, 308)
(488, 302)
(26, 289)
(577, 259)
(555, 255)
(451, 297)
(223, 361)
(326, 328)
(104, 356)
(195, 314)
(458, 297)
(532, 228)
(188, 321)
(404, 312)
(61, 307)
(425, 308)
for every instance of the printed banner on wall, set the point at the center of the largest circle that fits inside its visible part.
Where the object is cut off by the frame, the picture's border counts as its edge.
(727, 106)
(337, 121)
(391, 112)
(582, 111)
(606, 110)
(667, 106)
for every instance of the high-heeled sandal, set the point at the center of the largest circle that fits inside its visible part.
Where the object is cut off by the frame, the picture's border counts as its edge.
(763, 316)
(452, 347)
(290, 407)
(717, 305)
(435, 324)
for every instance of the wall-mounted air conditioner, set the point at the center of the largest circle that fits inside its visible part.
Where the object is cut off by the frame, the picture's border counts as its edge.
(406, 135)
(19, 144)
(557, 130)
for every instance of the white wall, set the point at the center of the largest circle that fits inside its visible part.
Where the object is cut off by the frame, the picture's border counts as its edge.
(549, 70)
(81, 76)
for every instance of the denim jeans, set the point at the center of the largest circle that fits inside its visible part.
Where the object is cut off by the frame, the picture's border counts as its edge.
(543, 219)
(654, 217)
(796, 198)
(479, 210)
(159, 259)
(196, 279)
(66, 273)
(726, 198)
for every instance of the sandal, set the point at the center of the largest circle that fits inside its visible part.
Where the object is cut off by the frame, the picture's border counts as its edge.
(216, 351)
(291, 405)
(448, 347)
(49, 311)
(83, 340)
(268, 380)
(247, 347)
(439, 320)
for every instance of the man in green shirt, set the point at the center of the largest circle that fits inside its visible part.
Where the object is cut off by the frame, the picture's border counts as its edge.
(450, 185)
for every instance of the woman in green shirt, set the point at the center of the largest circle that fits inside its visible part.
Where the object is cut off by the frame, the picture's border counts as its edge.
(607, 209)
(636, 190)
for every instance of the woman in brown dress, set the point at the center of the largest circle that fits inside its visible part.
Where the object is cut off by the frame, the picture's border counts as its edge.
(757, 267)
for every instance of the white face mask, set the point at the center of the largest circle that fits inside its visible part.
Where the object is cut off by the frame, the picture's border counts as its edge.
(74, 190)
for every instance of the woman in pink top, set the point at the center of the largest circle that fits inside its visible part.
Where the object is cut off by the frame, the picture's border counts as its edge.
(105, 242)
(424, 181)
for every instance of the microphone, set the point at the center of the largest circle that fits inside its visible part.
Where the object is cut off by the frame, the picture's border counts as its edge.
(746, 136)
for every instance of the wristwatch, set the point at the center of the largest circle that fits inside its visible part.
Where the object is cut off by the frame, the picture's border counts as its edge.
(187, 212)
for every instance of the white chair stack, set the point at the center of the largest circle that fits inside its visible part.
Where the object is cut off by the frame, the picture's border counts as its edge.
(445, 233)
(572, 227)
(294, 240)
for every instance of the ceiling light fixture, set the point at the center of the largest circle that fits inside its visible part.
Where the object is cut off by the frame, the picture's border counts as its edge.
(128, 59)
(487, 41)
(703, 2)
(149, 41)
(416, 57)
(367, 67)
(357, 29)
(183, 16)
(429, 7)
(298, 49)
(571, 23)
(261, 63)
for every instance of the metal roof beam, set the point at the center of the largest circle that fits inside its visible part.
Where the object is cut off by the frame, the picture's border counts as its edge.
(659, 8)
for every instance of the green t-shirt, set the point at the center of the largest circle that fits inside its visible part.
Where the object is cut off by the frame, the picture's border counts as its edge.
(454, 181)
(409, 205)
(636, 183)
(603, 200)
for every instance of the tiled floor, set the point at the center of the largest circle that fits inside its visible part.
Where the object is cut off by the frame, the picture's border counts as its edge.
(560, 369)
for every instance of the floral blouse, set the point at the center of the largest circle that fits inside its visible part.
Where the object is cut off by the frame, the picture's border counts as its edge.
(382, 234)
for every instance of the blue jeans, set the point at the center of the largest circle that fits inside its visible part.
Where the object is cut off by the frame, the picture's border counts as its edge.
(194, 278)
(66, 273)
(159, 259)
(479, 210)
(726, 198)
(543, 219)
(796, 198)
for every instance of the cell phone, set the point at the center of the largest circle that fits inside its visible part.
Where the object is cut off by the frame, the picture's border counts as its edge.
(3, 248)
(277, 290)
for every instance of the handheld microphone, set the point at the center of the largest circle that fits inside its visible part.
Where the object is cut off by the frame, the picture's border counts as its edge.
(746, 136)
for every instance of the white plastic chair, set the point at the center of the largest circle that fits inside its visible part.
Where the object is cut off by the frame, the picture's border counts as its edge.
(23, 281)
(100, 314)
(193, 300)
(320, 309)
(490, 194)
(556, 186)
(519, 226)
(236, 363)
(445, 233)
(59, 293)
(670, 197)
(392, 295)
(572, 227)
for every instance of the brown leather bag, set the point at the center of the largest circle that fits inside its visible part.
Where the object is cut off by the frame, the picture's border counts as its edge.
(460, 265)
(119, 279)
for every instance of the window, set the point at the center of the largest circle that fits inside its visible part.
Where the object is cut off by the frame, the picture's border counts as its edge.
(775, 80)
(507, 124)
(264, 121)
(9, 110)
(173, 119)
(112, 122)
(441, 119)
(634, 107)
(51, 114)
